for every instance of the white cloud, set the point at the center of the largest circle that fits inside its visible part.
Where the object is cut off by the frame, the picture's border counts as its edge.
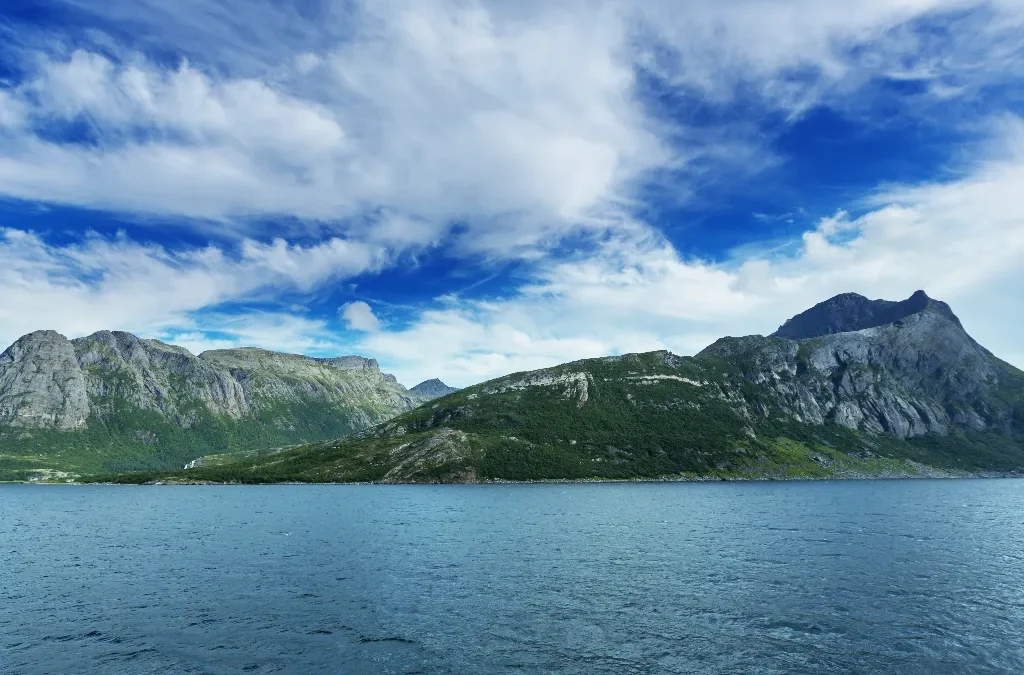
(116, 283)
(12, 112)
(521, 121)
(234, 147)
(962, 241)
(379, 125)
(269, 330)
(359, 316)
(431, 112)
(183, 102)
(798, 53)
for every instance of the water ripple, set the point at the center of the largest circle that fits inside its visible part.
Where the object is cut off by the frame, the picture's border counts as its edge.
(907, 577)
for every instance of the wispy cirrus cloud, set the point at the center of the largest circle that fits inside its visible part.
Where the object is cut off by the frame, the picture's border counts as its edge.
(107, 282)
(436, 113)
(275, 330)
(521, 123)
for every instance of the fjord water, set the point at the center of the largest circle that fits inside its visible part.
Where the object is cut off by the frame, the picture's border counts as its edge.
(856, 577)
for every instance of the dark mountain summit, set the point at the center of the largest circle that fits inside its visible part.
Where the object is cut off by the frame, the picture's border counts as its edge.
(432, 389)
(851, 312)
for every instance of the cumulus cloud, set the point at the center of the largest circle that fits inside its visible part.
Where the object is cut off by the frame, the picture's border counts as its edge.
(431, 112)
(235, 147)
(359, 316)
(496, 130)
(521, 122)
(105, 282)
(960, 240)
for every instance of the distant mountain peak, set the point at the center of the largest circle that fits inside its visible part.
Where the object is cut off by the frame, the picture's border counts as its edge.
(850, 312)
(431, 389)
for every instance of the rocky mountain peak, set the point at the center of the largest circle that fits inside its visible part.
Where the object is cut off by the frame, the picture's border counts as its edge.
(106, 345)
(33, 340)
(41, 383)
(433, 388)
(252, 356)
(850, 312)
(351, 363)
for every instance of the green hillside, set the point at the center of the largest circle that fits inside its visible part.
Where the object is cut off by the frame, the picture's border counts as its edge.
(844, 395)
(641, 416)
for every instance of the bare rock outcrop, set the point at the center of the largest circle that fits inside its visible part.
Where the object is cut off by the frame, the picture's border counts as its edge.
(50, 382)
(41, 383)
(921, 373)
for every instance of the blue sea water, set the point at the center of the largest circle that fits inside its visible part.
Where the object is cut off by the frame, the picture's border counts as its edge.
(841, 577)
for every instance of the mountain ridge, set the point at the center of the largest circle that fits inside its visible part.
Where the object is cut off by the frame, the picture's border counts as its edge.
(913, 397)
(851, 312)
(112, 399)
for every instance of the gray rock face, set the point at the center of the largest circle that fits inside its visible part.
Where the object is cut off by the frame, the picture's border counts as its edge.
(120, 368)
(50, 382)
(759, 406)
(431, 389)
(353, 382)
(921, 374)
(851, 312)
(41, 384)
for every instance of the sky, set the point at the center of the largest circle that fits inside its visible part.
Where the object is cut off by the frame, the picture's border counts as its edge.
(464, 189)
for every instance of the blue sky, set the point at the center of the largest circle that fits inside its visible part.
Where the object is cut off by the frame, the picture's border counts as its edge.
(466, 189)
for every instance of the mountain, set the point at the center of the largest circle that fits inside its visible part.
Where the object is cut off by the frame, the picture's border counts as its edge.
(431, 389)
(113, 401)
(852, 312)
(920, 374)
(914, 396)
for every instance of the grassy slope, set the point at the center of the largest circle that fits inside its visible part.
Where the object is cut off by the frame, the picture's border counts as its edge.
(131, 439)
(624, 430)
(502, 458)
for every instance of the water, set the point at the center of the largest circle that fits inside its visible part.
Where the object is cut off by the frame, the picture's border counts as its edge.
(860, 577)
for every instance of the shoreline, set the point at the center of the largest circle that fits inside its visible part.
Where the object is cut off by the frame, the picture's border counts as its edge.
(937, 475)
